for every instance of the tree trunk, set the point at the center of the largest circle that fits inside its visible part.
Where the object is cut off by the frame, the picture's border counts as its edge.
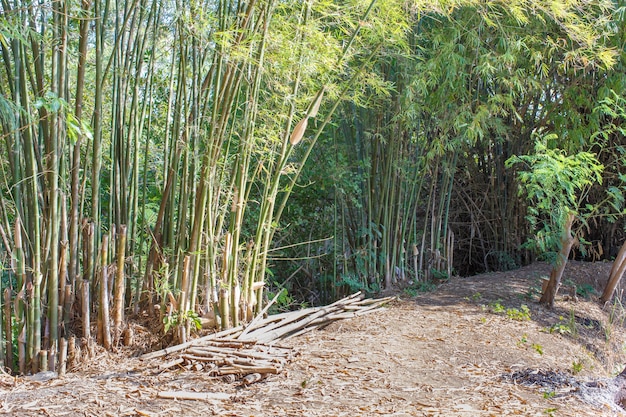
(567, 241)
(615, 276)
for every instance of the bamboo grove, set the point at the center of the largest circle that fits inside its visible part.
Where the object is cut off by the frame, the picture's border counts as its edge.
(179, 159)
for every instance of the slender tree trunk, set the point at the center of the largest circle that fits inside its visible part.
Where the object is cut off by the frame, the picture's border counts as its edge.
(567, 241)
(615, 276)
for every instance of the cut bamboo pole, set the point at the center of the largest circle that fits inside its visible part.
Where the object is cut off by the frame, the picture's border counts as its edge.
(255, 320)
(43, 360)
(296, 316)
(224, 309)
(183, 346)
(72, 358)
(185, 395)
(62, 356)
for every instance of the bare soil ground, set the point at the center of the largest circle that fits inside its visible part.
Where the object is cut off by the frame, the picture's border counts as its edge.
(468, 349)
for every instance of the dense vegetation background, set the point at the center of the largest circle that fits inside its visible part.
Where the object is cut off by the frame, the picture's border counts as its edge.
(196, 156)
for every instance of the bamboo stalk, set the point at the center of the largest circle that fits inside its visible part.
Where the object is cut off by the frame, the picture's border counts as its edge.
(8, 329)
(72, 353)
(224, 309)
(104, 325)
(4, 338)
(67, 309)
(74, 223)
(120, 285)
(62, 356)
(86, 306)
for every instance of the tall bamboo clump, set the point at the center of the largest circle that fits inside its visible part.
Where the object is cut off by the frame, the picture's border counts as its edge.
(426, 163)
(150, 150)
(58, 200)
(234, 175)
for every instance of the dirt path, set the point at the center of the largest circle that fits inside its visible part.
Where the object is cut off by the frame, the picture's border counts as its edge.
(465, 350)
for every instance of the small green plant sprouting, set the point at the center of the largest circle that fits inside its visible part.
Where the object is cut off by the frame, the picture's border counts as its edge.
(523, 340)
(418, 288)
(497, 308)
(521, 314)
(616, 315)
(439, 275)
(538, 348)
(283, 303)
(585, 291)
(572, 323)
(549, 394)
(551, 411)
(177, 319)
(410, 292)
(558, 328)
(577, 366)
(565, 326)
(474, 298)
(356, 283)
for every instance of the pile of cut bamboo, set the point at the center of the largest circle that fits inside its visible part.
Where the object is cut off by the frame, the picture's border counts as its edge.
(250, 353)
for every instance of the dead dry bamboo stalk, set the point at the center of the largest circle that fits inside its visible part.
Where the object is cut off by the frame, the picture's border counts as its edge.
(62, 356)
(317, 321)
(228, 370)
(257, 355)
(282, 319)
(370, 301)
(214, 348)
(85, 310)
(283, 331)
(224, 309)
(71, 352)
(43, 360)
(268, 325)
(259, 316)
(183, 346)
(184, 395)
(171, 364)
